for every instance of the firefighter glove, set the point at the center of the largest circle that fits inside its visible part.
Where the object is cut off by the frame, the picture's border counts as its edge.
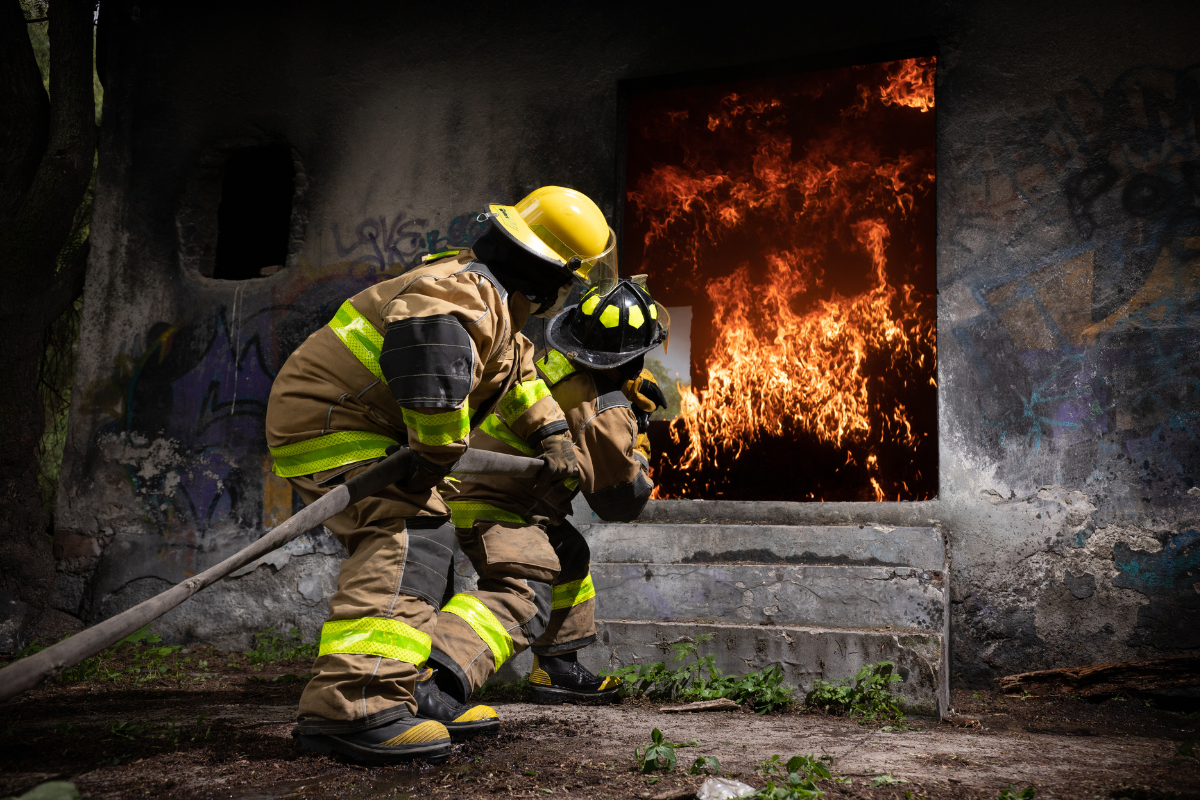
(642, 446)
(645, 396)
(559, 454)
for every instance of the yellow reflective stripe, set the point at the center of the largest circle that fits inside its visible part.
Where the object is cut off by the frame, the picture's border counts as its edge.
(521, 398)
(483, 622)
(328, 452)
(359, 336)
(439, 429)
(436, 256)
(571, 594)
(463, 513)
(375, 636)
(494, 426)
(555, 366)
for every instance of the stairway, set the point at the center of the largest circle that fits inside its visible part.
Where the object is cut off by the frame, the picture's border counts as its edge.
(820, 601)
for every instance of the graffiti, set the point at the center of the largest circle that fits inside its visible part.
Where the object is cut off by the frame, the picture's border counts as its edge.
(1171, 579)
(186, 407)
(1090, 283)
(403, 241)
(191, 415)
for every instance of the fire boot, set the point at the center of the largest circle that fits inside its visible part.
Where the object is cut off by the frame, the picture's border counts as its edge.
(562, 679)
(402, 738)
(460, 720)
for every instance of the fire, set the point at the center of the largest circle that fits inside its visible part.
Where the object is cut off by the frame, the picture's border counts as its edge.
(790, 353)
(911, 84)
(804, 370)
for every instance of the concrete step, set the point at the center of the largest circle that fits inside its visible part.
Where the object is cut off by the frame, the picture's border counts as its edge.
(817, 596)
(820, 601)
(847, 545)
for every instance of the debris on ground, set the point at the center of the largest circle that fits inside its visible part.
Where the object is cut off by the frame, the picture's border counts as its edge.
(1153, 675)
(723, 789)
(722, 704)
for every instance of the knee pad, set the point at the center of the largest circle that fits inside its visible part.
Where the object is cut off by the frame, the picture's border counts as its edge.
(574, 555)
(427, 560)
(543, 600)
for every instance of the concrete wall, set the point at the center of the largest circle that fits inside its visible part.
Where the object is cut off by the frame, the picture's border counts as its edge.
(1067, 262)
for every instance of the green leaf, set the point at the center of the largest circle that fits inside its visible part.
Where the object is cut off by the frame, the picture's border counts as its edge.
(703, 765)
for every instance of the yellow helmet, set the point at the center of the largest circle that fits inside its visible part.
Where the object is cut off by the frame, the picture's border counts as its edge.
(564, 227)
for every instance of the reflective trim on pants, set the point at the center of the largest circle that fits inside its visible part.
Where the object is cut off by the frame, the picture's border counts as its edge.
(567, 595)
(484, 623)
(463, 513)
(375, 636)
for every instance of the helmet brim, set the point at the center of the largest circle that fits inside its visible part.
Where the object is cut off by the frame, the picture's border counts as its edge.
(558, 336)
(599, 267)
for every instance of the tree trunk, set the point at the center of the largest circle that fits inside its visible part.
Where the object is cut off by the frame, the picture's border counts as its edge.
(34, 292)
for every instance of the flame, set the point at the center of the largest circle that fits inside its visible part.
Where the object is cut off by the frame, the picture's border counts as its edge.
(806, 370)
(910, 84)
(786, 358)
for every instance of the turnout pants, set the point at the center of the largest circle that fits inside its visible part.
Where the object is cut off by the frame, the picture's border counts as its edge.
(573, 609)
(383, 612)
(534, 591)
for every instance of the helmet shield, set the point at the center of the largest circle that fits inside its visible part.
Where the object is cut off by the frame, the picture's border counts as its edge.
(606, 330)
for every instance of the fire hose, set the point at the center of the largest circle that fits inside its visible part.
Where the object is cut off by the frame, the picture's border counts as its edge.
(28, 672)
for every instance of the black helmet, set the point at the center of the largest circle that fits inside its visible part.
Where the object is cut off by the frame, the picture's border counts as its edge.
(608, 330)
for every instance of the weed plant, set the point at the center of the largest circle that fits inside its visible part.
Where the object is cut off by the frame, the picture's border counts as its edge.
(795, 779)
(867, 695)
(271, 647)
(660, 755)
(693, 677)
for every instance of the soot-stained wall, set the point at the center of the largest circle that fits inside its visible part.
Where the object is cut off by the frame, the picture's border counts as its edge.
(1067, 273)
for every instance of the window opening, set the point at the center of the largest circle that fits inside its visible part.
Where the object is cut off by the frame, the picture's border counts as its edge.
(254, 216)
(793, 217)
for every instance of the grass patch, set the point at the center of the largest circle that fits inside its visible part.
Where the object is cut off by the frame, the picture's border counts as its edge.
(142, 658)
(271, 647)
(694, 677)
(495, 691)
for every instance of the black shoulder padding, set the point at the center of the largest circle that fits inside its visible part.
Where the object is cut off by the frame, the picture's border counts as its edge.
(623, 502)
(482, 269)
(427, 562)
(428, 361)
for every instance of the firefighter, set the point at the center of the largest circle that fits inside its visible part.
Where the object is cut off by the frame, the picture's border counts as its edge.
(421, 360)
(594, 369)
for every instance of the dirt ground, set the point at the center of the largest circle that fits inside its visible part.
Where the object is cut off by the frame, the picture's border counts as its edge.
(226, 734)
